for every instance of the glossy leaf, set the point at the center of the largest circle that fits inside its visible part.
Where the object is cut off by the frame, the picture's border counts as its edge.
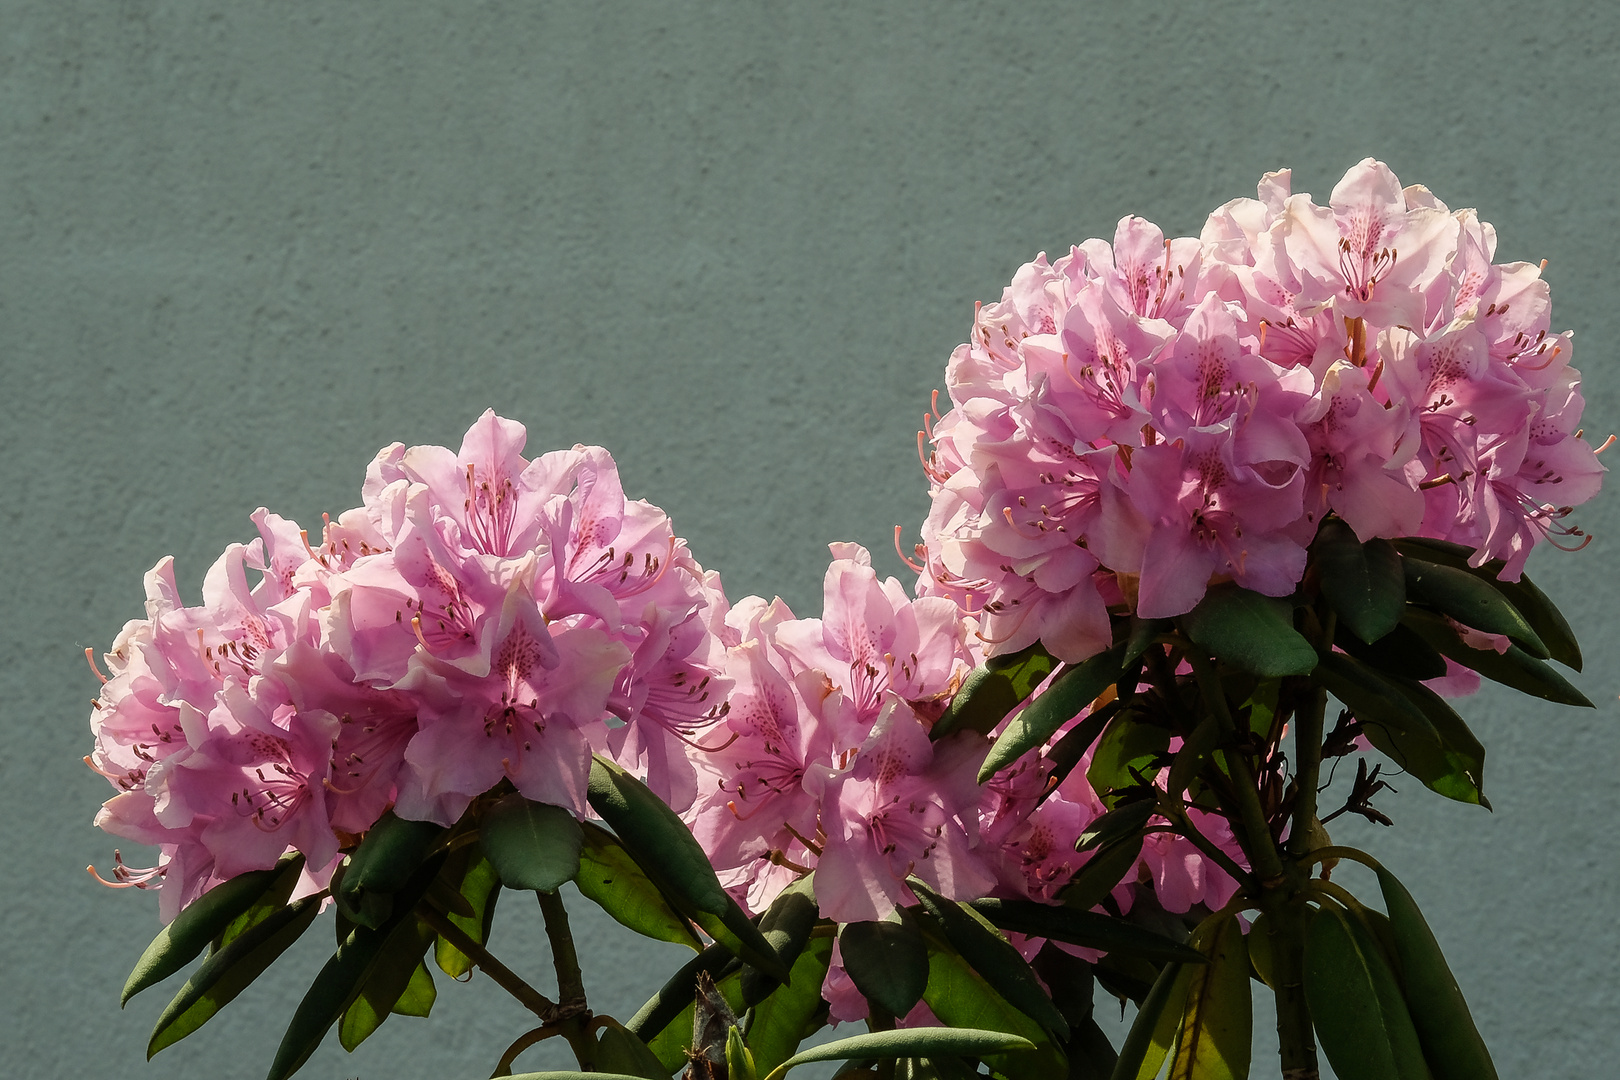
(887, 961)
(1067, 751)
(786, 925)
(534, 846)
(419, 995)
(1540, 612)
(1262, 948)
(343, 977)
(1471, 601)
(961, 998)
(777, 1025)
(1515, 667)
(1451, 1043)
(1101, 874)
(677, 993)
(666, 849)
(392, 850)
(1127, 744)
(993, 690)
(473, 876)
(1217, 1022)
(1401, 652)
(992, 956)
(618, 1051)
(205, 918)
(572, 1074)
(1364, 582)
(396, 966)
(610, 877)
(1249, 631)
(1086, 928)
(1157, 1021)
(1072, 690)
(1356, 1005)
(229, 971)
(1139, 634)
(909, 1042)
(1125, 820)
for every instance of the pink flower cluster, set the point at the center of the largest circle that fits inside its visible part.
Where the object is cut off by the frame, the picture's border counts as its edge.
(1133, 421)
(480, 617)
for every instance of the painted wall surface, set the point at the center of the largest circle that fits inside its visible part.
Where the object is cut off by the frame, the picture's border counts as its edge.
(244, 245)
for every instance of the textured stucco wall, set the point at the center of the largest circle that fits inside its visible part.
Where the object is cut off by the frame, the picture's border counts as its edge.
(243, 245)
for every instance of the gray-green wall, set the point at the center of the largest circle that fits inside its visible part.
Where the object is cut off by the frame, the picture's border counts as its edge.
(244, 245)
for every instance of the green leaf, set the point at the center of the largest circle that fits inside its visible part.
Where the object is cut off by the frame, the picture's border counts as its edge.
(887, 961)
(1364, 582)
(419, 995)
(1540, 612)
(666, 849)
(1072, 690)
(993, 690)
(534, 846)
(1127, 744)
(1356, 1005)
(387, 857)
(739, 1062)
(909, 1042)
(396, 966)
(228, 972)
(993, 957)
(1067, 751)
(1086, 928)
(1470, 600)
(1249, 631)
(1101, 874)
(572, 1074)
(961, 998)
(1217, 1022)
(678, 992)
(472, 875)
(786, 924)
(1140, 633)
(618, 1051)
(1400, 652)
(777, 1025)
(1157, 1021)
(343, 977)
(610, 876)
(1123, 821)
(205, 918)
(1515, 667)
(669, 1042)
(1451, 1043)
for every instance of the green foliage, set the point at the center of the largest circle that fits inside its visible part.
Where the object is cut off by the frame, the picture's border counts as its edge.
(1086, 928)
(1251, 632)
(1471, 601)
(1217, 1018)
(961, 998)
(390, 853)
(1128, 748)
(777, 1025)
(993, 690)
(609, 876)
(533, 846)
(471, 876)
(912, 1042)
(1072, 690)
(786, 926)
(1365, 583)
(1157, 1021)
(887, 961)
(1356, 1004)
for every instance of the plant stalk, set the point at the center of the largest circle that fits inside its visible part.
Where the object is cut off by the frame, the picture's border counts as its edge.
(504, 977)
(1256, 833)
(572, 1011)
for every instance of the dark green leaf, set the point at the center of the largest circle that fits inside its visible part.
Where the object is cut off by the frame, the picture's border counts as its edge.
(419, 995)
(1140, 634)
(1127, 744)
(1470, 600)
(1540, 612)
(993, 690)
(961, 998)
(1191, 757)
(786, 924)
(572, 1074)
(387, 857)
(1067, 751)
(1249, 631)
(1364, 582)
(618, 1051)
(1356, 1005)
(1125, 820)
(473, 876)
(1155, 1026)
(1400, 652)
(776, 1026)
(205, 918)
(392, 973)
(1128, 978)
(1086, 928)
(1101, 874)
(610, 877)
(1515, 667)
(1451, 1043)
(228, 972)
(1091, 1055)
(347, 972)
(993, 957)
(887, 961)
(670, 1043)
(534, 846)
(1072, 690)
(910, 1042)
(677, 993)
(1217, 1021)
(666, 849)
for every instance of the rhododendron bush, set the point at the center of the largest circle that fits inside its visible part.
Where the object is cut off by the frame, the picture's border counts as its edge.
(1192, 499)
